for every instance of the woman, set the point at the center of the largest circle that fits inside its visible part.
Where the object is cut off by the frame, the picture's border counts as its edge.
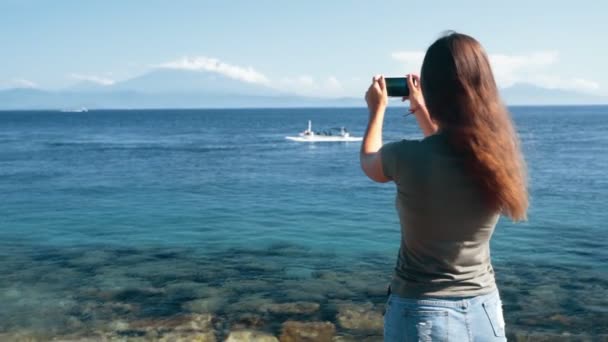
(451, 188)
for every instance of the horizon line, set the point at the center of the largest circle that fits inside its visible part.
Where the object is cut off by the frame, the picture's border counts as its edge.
(62, 110)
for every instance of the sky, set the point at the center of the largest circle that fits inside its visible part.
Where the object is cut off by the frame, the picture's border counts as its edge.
(320, 48)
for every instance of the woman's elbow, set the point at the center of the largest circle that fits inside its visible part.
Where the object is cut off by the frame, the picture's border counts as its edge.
(379, 178)
(372, 171)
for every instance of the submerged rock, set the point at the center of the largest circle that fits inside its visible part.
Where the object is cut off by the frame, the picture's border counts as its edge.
(359, 317)
(295, 272)
(301, 294)
(294, 331)
(250, 336)
(195, 290)
(521, 336)
(23, 336)
(188, 337)
(119, 326)
(194, 322)
(248, 285)
(565, 320)
(319, 287)
(248, 321)
(249, 303)
(193, 327)
(291, 308)
(205, 305)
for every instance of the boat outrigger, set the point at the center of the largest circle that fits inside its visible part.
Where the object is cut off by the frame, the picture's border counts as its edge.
(332, 135)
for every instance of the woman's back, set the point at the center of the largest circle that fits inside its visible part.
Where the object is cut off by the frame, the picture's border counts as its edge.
(445, 225)
(451, 188)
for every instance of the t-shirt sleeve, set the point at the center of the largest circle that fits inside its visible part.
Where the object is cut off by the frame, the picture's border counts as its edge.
(398, 158)
(389, 154)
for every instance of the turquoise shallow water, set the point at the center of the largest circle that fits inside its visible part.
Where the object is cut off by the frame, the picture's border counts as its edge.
(129, 215)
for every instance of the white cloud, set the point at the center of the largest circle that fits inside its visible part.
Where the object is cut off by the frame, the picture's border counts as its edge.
(308, 86)
(333, 83)
(510, 69)
(305, 85)
(201, 63)
(412, 60)
(23, 83)
(559, 82)
(300, 81)
(95, 79)
(580, 83)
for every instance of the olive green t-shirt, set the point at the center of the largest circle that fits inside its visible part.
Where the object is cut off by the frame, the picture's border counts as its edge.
(445, 226)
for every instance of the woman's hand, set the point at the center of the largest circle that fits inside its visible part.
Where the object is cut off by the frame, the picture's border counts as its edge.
(418, 107)
(416, 99)
(377, 96)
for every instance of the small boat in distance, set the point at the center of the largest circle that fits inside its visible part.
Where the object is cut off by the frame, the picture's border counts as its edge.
(331, 135)
(75, 110)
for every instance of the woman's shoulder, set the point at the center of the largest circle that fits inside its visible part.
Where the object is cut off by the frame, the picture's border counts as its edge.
(401, 147)
(430, 142)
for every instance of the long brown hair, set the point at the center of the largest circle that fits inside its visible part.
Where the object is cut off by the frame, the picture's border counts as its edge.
(462, 98)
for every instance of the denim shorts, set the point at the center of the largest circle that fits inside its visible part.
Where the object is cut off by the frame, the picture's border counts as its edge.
(444, 319)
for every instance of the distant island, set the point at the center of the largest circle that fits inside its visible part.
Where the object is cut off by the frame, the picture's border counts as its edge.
(166, 88)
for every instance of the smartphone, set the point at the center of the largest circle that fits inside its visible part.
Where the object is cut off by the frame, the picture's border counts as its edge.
(397, 86)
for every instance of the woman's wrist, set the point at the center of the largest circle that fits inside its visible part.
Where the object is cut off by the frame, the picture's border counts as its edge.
(377, 112)
(425, 122)
(417, 109)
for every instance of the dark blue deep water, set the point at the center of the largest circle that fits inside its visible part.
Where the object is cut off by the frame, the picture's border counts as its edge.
(123, 216)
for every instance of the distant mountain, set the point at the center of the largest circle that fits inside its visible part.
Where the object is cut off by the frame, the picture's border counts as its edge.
(183, 81)
(528, 94)
(167, 88)
(88, 86)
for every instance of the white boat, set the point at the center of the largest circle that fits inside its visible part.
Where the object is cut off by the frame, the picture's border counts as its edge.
(75, 110)
(332, 135)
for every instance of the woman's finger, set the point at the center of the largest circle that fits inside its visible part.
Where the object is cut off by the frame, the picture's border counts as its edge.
(410, 82)
(415, 79)
(376, 87)
(382, 83)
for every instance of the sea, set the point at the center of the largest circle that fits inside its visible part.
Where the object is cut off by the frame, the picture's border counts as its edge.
(112, 221)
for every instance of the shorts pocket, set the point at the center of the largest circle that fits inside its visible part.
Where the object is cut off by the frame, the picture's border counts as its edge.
(493, 309)
(426, 325)
(387, 305)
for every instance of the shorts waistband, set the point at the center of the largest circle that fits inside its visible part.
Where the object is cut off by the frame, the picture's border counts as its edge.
(455, 302)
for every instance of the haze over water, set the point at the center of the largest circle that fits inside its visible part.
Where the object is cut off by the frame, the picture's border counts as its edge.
(156, 209)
